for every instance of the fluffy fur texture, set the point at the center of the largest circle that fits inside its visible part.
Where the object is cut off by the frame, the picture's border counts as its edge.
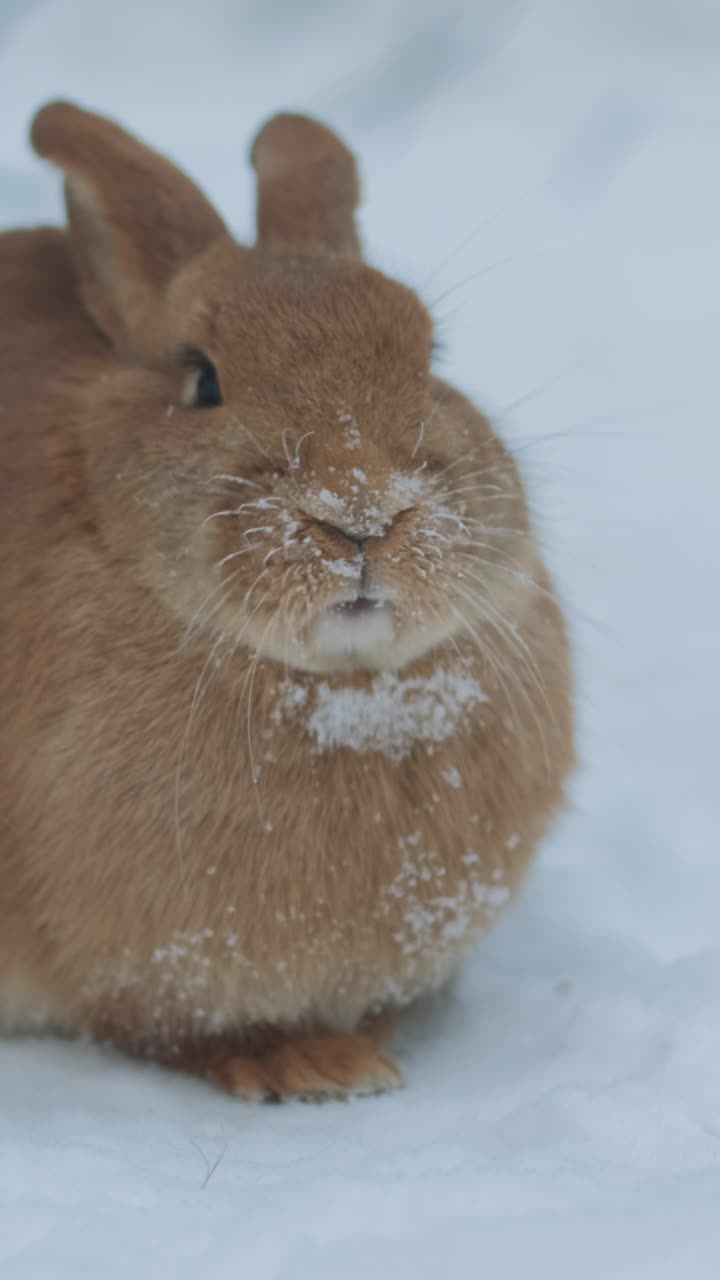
(285, 687)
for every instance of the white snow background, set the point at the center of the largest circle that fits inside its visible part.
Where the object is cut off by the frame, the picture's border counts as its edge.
(547, 173)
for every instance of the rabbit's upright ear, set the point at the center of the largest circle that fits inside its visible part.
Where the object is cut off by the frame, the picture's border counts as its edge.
(134, 218)
(308, 189)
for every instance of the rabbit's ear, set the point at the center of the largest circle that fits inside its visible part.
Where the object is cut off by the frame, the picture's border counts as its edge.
(134, 218)
(308, 188)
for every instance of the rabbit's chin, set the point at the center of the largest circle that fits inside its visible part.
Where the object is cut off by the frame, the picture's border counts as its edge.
(361, 632)
(365, 635)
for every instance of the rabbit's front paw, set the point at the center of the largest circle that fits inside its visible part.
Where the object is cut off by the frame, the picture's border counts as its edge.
(309, 1067)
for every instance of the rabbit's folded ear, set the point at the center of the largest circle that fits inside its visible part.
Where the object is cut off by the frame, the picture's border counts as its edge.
(308, 189)
(134, 218)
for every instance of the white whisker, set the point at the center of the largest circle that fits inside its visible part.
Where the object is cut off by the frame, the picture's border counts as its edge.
(510, 635)
(198, 692)
(217, 515)
(259, 528)
(298, 446)
(231, 479)
(418, 442)
(244, 551)
(286, 451)
(191, 628)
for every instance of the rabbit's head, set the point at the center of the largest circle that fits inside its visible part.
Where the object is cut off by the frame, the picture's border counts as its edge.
(264, 443)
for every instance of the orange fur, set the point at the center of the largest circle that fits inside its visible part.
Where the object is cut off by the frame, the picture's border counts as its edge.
(285, 688)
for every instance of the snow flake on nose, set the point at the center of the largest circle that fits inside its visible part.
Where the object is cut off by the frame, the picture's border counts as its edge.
(345, 568)
(405, 487)
(361, 508)
(364, 517)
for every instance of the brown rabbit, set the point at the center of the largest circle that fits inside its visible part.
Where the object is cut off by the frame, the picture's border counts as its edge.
(285, 687)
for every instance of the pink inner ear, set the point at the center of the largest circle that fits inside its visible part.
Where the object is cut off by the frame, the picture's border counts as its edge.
(98, 262)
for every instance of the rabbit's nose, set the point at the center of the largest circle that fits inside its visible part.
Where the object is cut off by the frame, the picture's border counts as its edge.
(357, 535)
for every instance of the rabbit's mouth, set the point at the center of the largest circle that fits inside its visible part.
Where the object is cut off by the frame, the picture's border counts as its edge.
(354, 608)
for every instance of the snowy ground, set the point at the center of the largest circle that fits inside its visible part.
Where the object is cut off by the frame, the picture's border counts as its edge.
(548, 172)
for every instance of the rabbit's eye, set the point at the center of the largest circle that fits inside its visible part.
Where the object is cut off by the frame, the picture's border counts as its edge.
(207, 388)
(201, 386)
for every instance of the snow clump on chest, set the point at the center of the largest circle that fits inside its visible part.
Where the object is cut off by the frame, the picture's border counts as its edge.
(390, 716)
